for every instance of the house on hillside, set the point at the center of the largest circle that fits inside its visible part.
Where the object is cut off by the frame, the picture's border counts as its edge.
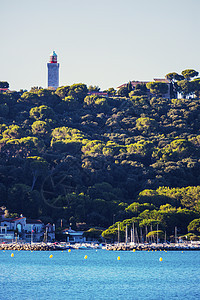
(134, 83)
(167, 95)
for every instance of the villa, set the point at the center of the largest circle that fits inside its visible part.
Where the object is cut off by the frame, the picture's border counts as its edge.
(134, 83)
(24, 229)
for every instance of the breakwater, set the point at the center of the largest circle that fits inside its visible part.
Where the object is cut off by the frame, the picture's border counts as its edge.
(153, 247)
(109, 247)
(30, 247)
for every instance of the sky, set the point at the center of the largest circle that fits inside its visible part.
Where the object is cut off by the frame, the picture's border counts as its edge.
(98, 42)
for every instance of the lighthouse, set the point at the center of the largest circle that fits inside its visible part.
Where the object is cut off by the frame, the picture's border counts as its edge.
(53, 71)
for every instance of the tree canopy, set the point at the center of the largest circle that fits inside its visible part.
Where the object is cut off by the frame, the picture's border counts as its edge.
(127, 158)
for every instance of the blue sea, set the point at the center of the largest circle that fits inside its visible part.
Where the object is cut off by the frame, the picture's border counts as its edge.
(137, 275)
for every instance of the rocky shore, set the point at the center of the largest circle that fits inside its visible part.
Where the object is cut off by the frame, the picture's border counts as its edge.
(153, 247)
(109, 247)
(30, 247)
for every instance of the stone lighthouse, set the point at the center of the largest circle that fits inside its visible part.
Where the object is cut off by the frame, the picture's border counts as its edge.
(53, 71)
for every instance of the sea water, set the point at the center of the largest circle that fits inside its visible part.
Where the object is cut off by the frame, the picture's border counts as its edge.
(103, 275)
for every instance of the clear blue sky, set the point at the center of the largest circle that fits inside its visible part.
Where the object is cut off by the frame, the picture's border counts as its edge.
(104, 42)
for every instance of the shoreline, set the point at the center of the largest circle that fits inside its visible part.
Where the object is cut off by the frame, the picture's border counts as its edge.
(108, 247)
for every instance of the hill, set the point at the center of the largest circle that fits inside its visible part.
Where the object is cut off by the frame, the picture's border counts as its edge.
(99, 160)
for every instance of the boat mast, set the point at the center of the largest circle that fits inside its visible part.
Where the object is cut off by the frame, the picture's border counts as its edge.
(146, 233)
(126, 235)
(133, 232)
(157, 233)
(118, 234)
(141, 238)
(175, 234)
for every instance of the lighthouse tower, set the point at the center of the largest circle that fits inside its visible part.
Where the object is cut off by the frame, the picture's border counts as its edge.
(53, 71)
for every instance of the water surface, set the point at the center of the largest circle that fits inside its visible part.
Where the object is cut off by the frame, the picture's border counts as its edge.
(137, 275)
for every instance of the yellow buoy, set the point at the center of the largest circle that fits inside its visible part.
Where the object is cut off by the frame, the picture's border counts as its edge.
(50, 256)
(118, 257)
(85, 256)
(133, 250)
(69, 250)
(182, 251)
(12, 255)
(160, 259)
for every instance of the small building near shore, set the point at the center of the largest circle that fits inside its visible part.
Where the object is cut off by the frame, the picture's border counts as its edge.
(35, 225)
(73, 236)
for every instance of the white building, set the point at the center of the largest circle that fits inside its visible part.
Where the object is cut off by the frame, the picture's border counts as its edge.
(15, 224)
(27, 230)
(73, 236)
(34, 225)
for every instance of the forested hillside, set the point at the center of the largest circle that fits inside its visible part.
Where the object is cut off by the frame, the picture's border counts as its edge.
(85, 158)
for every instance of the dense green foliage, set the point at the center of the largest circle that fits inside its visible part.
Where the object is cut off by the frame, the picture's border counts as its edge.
(84, 158)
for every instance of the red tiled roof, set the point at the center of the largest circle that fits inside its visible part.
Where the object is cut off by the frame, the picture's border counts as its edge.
(17, 219)
(134, 83)
(7, 220)
(33, 221)
(12, 220)
(161, 80)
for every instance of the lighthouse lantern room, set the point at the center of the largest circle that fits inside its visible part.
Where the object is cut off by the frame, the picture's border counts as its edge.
(53, 57)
